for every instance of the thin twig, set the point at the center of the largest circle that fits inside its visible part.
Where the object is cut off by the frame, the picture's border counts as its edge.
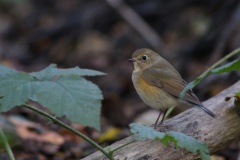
(5, 143)
(221, 60)
(56, 121)
(217, 64)
(169, 112)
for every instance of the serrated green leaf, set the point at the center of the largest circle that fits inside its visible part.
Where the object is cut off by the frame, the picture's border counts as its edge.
(141, 132)
(45, 74)
(237, 94)
(72, 96)
(69, 94)
(79, 71)
(16, 88)
(180, 140)
(168, 138)
(52, 71)
(6, 70)
(235, 65)
(183, 141)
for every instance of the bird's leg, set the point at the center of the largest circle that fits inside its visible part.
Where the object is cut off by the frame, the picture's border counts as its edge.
(164, 113)
(162, 127)
(155, 125)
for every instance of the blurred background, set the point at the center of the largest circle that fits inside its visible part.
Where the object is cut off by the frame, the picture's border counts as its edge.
(102, 35)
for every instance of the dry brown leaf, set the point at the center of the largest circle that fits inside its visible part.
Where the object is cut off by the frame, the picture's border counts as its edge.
(28, 130)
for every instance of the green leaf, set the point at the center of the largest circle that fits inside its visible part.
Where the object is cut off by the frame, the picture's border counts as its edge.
(180, 140)
(45, 74)
(237, 94)
(183, 141)
(235, 65)
(16, 89)
(141, 132)
(5, 70)
(63, 92)
(72, 96)
(52, 71)
(79, 71)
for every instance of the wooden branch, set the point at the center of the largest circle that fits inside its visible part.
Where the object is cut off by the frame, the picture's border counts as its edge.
(218, 133)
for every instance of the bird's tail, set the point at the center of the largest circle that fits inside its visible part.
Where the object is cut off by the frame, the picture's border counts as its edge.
(205, 110)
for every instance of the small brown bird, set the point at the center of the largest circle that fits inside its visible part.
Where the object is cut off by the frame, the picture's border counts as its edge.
(159, 84)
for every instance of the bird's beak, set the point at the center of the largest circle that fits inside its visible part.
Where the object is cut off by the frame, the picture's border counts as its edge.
(132, 60)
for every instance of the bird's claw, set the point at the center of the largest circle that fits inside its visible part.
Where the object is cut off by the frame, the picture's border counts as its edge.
(162, 127)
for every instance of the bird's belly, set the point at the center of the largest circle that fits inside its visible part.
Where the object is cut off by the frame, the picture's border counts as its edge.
(154, 96)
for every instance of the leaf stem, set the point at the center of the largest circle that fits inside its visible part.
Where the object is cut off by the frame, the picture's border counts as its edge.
(5, 142)
(204, 74)
(56, 121)
(111, 153)
(169, 112)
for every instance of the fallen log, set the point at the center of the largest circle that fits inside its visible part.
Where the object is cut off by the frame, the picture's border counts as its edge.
(218, 133)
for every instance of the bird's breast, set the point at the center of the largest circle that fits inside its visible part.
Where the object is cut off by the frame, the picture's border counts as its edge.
(152, 95)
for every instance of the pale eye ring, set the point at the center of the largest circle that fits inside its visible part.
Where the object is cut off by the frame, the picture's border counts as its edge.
(144, 57)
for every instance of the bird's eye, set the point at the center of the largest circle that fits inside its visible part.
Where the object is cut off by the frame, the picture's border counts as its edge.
(144, 58)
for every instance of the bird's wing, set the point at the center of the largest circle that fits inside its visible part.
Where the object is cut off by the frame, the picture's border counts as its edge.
(171, 83)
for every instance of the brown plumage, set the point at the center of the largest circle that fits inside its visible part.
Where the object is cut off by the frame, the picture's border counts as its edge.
(159, 84)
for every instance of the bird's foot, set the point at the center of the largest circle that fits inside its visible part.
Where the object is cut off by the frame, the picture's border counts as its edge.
(162, 127)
